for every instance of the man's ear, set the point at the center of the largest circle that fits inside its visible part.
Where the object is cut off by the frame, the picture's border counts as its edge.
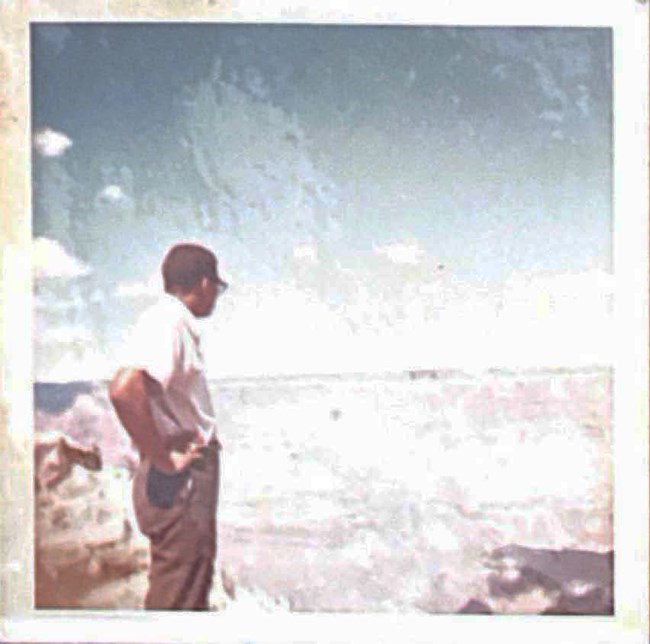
(198, 286)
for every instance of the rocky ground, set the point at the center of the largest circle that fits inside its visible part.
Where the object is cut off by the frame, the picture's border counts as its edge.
(90, 556)
(314, 521)
(87, 551)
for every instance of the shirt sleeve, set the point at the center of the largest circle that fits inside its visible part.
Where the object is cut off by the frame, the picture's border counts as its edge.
(157, 348)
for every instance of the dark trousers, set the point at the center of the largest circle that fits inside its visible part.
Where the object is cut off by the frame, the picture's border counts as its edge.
(178, 514)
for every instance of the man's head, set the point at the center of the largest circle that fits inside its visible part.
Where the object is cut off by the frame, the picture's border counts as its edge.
(190, 273)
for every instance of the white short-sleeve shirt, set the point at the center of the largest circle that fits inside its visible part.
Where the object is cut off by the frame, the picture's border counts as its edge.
(166, 344)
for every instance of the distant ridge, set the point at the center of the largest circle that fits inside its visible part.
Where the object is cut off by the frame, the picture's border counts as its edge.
(52, 395)
(62, 390)
(55, 397)
(414, 374)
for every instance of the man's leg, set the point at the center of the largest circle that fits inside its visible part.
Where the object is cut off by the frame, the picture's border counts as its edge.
(182, 537)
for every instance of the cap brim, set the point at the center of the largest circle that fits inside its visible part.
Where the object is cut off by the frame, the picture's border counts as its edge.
(222, 285)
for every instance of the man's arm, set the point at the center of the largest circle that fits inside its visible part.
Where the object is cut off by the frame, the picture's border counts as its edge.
(129, 393)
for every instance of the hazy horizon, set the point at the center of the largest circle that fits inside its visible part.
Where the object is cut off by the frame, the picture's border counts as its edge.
(409, 375)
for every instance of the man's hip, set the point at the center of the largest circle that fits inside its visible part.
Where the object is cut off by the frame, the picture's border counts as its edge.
(178, 511)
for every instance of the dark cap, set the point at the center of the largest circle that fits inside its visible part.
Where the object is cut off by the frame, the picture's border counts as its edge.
(186, 264)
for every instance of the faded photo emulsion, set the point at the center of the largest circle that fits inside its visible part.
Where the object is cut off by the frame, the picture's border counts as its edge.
(410, 375)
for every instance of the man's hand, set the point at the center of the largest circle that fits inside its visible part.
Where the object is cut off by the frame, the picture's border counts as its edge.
(179, 461)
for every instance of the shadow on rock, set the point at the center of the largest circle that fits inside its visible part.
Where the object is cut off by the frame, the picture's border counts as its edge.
(545, 581)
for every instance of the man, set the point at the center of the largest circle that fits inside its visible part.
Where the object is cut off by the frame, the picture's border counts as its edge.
(161, 397)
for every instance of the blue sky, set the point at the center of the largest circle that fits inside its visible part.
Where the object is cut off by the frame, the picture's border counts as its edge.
(399, 193)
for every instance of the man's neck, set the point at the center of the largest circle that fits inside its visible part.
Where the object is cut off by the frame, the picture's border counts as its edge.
(185, 299)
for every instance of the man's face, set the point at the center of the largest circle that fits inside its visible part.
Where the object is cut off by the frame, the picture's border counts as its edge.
(209, 291)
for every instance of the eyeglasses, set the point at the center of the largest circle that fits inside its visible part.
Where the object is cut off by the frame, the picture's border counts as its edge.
(222, 286)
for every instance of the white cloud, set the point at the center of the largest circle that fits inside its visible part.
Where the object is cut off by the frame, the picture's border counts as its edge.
(67, 335)
(148, 288)
(306, 252)
(137, 290)
(552, 116)
(113, 194)
(283, 330)
(542, 320)
(571, 291)
(90, 365)
(533, 321)
(133, 289)
(50, 259)
(51, 143)
(401, 253)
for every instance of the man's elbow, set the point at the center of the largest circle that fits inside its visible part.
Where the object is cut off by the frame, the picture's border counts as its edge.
(120, 387)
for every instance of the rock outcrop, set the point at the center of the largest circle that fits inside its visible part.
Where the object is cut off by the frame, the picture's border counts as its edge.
(85, 538)
(545, 581)
(55, 454)
(89, 552)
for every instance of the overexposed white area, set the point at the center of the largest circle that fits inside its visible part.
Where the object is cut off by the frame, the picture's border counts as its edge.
(532, 321)
(563, 320)
(399, 253)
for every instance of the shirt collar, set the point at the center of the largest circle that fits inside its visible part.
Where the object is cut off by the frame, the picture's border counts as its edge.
(183, 312)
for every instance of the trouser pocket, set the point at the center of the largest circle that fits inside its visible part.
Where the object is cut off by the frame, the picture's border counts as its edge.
(162, 488)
